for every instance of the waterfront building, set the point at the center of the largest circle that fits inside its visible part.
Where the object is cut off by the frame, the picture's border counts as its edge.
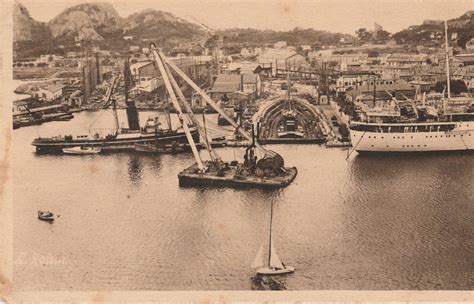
(281, 59)
(50, 92)
(241, 67)
(227, 84)
(143, 71)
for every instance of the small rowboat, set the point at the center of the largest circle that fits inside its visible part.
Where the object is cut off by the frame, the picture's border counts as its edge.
(46, 216)
(82, 150)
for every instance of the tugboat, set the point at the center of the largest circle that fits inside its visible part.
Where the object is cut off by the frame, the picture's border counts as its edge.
(121, 139)
(267, 172)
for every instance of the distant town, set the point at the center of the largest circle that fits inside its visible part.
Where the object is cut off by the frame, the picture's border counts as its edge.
(78, 74)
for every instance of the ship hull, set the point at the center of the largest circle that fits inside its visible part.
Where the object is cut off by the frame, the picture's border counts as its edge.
(460, 138)
(191, 178)
(126, 144)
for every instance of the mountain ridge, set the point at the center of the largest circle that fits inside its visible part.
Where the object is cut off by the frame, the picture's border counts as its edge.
(100, 22)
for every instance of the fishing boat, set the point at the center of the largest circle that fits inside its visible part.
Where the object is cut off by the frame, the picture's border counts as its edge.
(45, 216)
(82, 150)
(268, 171)
(273, 265)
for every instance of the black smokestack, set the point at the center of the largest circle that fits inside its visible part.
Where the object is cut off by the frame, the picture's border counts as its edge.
(132, 113)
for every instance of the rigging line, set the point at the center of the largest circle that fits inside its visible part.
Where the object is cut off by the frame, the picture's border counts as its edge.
(100, 115)
(356, 145)
(464, 143)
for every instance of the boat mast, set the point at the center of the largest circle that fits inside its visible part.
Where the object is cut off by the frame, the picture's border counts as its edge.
(447, 58)
(114, 105)
(169, 88)
(108, 98)
(270, 239)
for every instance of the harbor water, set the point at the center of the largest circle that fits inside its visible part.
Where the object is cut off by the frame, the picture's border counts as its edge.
(375, 223)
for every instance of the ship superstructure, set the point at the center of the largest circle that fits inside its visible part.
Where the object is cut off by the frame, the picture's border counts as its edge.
(434, 123)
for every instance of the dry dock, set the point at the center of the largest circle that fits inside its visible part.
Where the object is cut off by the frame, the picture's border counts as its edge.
(270, 118)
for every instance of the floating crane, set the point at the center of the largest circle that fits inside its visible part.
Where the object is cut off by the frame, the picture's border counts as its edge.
(266, 172)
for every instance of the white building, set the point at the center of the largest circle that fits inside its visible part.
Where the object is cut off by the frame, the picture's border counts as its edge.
(280, 45)
(51, 92)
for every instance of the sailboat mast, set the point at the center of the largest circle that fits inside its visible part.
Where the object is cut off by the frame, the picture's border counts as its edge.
(447, 58)
(270, 239)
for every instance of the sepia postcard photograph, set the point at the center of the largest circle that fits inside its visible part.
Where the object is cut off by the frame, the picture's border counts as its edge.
(237, 151)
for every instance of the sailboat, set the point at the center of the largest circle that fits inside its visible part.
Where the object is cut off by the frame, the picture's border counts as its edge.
(273, 265)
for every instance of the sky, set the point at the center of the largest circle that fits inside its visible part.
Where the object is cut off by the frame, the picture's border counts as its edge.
(345, 16)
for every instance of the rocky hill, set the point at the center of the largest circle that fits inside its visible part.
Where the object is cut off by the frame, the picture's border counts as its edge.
(433, 30)
(25, 27)
(88, 21)
(161, 27)
(100, 23)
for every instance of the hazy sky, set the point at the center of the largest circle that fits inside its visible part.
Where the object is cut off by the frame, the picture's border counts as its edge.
(332, 15)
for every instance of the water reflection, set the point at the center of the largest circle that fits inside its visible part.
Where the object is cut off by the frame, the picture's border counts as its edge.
(366, 223)
(135, 169)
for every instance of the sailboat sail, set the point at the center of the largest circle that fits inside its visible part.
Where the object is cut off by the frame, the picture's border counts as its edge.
(274, 259)
(258, 261)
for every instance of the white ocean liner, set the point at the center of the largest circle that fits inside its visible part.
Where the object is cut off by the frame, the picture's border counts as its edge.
(414, 137)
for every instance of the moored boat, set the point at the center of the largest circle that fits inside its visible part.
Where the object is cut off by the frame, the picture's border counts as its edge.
(82, 150)
(154, 148)
(437, 125)
(45, 216)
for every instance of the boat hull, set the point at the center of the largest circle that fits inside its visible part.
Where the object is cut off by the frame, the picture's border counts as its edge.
(461, 138)
(127, 144)
(163, 149)
(74, 151)
(273, 271)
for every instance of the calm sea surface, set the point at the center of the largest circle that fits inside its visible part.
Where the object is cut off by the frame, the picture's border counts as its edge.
(124, 224)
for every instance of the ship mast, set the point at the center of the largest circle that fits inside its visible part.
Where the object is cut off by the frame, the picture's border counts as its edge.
(270, 239)
(447, 58)
(114, 106)
(109, 98)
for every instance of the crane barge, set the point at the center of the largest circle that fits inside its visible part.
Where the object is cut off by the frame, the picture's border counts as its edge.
(267, 172)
